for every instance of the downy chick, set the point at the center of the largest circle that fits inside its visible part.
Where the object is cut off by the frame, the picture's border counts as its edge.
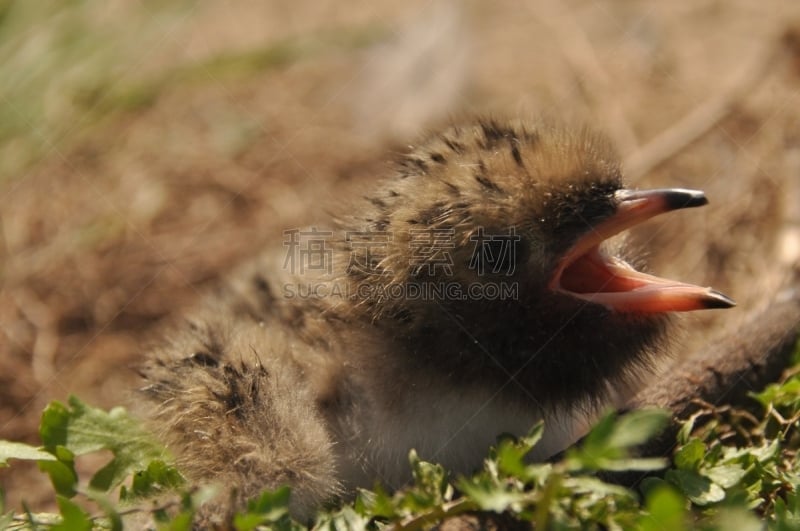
(471, 293)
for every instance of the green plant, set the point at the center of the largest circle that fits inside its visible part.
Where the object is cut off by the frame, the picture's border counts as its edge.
(730, 469)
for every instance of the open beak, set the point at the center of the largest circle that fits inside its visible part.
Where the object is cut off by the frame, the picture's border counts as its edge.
(586, 273)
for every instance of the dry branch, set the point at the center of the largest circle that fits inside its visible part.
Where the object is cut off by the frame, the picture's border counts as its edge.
(741, 361)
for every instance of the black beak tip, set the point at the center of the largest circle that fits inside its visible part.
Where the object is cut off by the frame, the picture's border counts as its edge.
(716, 300)
(680, 198)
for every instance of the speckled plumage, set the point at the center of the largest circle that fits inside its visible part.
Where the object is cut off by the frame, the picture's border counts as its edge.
(260, 388)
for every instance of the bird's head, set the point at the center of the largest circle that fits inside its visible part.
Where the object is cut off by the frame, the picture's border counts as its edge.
(503, 234)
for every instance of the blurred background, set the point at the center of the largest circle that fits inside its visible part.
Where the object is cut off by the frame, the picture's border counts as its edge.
(146, 148)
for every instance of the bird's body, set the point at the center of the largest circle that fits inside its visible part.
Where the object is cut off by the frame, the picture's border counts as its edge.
(470, 294)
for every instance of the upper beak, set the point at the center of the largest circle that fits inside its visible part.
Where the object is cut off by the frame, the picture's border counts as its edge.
(586, 273)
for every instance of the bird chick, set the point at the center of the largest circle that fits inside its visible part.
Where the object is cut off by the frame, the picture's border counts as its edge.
(476, 290)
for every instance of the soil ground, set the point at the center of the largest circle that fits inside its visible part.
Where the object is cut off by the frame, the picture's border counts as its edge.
(145, 151)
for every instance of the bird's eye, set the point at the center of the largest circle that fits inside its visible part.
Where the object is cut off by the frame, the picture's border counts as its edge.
(583, 212)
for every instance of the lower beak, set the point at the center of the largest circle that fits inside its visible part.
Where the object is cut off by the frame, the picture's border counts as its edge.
(585, 272)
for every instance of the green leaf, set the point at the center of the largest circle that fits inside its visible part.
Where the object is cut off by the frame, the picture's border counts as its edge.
(767, 452)
(430, 482)
(687, 427)
(62, 472)
(602, 432)
(607, 445)
(17, 450)
(699, 489)
(345, 519)
(157, 478)
(591, 484)
(247, 521)
(726, 476)
(690, 455)
(784, 394)
(666, 510)
(83, 429)
(181, 522)
(510, 454)
(637, 427)
(488, 496)
(510, 459)
(268, 509)
(787, 512)
(271, 504)
(630, 463)
(73, 518)
(533, 437)
(378, 503)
